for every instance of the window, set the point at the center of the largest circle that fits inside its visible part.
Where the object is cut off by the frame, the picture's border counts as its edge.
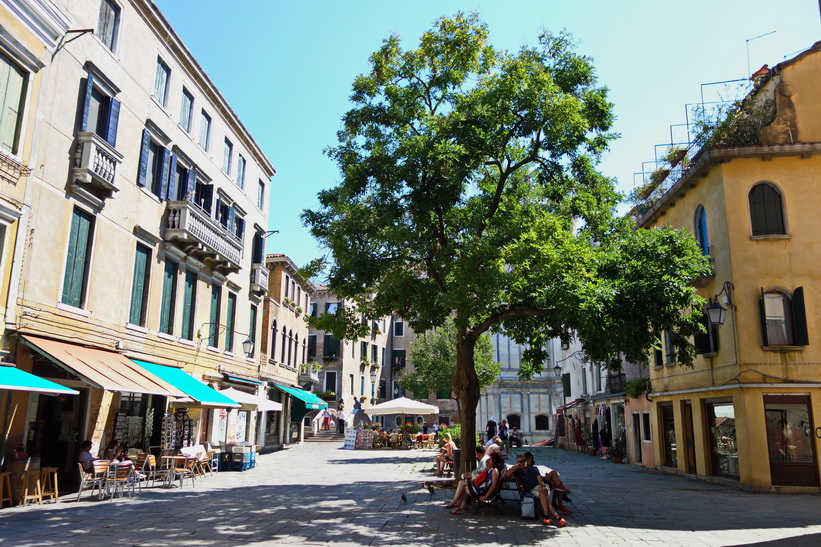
(156, 166)
(442, 395)
(330, 381)
(108, 23)
(707, 342)
(189, 305)
(186, 110)
(363, 352)
(374, 353)
(78, 256)
(670, 448)
(227, 156)
(514, 420)
(722, 438)
(214, 316)
(178, 185)
(783, 318)
(331, 307)
(645, 427)
(205, 131)
(240, 171)
(260, 195)
(230, 318)
(669, 348)
(311, 348)
(161, 81)
(139, 286)
(203, 192)
(273, 355)
(397, 392)
(226, 214)
(701, 230)
(542, 422)
(766, 210)
(101, 111)
(398, 359)
(331, 347)
(361, 384)
(169, 297)
(13, 86)
(312, 309)
(399, 328)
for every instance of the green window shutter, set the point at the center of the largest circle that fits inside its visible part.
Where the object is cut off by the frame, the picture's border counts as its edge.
(188, 308)
(171, 191)
(763, 313)
(213, 337)
(87, 103)
(252, 326)
(799, 313)
(12, 84)
(566, 384)
(77, 258)
(138, 286)
(169, 295)
(113, 121)
(230, 316)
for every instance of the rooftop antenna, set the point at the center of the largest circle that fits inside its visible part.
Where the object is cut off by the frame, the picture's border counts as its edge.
(749, 71)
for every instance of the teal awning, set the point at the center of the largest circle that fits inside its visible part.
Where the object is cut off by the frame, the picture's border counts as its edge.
(15, 379)
(311, 401)
(186, 383)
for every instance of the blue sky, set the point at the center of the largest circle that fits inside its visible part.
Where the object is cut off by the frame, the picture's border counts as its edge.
(286, 68)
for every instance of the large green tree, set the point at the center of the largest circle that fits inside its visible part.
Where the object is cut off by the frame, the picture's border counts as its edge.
(433, 355)
(469, 190)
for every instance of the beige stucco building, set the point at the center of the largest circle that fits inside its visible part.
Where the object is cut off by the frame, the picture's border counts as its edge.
(140, 235)
(747, 412)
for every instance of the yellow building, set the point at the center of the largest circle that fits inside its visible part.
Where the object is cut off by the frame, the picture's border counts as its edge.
(747, 412)
(141, 240)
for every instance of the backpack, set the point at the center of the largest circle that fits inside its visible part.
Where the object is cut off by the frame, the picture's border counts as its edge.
(528, 507)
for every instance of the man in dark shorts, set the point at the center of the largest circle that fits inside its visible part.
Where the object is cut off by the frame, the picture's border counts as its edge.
(533, 483)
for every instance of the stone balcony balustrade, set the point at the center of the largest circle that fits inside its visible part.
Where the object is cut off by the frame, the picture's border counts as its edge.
(191, 229)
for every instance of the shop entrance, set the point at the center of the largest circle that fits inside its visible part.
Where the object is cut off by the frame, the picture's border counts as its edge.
(689, 437)
(790, 440)
(54, 435)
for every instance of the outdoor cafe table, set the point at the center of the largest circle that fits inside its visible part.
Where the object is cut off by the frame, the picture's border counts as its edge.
(172, 460)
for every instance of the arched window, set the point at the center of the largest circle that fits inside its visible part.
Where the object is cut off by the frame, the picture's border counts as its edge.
(274, 341)
(514, 420)
(542, 422)
(290, 343)
(284, 345)
(783, 318)
(766, 210)
(701, 230)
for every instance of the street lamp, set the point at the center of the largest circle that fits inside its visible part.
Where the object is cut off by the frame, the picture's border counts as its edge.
(557, 370)
(373, 375)
(716, 312)
(248, 347)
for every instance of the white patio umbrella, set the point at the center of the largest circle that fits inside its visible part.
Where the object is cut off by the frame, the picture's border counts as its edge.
(402, 405)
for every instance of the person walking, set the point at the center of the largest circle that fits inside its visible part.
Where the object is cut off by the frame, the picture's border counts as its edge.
(504, 432)
(490, 428)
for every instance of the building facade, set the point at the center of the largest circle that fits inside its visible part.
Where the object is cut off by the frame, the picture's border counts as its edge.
(144, 216)
(746, 413)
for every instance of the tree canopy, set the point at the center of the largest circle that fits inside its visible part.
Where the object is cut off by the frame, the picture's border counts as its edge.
(469, 190)
(433, 355)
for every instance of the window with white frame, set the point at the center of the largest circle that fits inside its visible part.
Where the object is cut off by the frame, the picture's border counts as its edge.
(13, 85)
(783, 317)
(186, 110)
(227, 156)
(156, 166)
(108, 23)
(260, 195)
(101, 111)
(162, 80)
(399, 328)
(205, 131)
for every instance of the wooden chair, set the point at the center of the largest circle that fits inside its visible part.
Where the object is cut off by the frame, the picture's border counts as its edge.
(31, 488)
(48, 480)
(151, 471)
(186, 471)
(92, 478)
(120, 477)
(5, 489)
(198, 468)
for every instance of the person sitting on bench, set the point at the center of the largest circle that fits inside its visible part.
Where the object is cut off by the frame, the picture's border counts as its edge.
(559, 490)
(480, 488)
(531, 480)
(516, 437)
(446, 455)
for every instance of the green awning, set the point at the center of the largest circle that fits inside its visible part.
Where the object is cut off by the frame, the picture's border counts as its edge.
(15, 379)
(311, 401)
(186, 383)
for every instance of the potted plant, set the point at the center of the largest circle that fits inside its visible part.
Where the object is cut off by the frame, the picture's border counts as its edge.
(619, 450)
(636, 387)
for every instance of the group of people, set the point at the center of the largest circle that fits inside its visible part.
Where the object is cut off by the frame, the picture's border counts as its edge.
(114, 451)
(534, 483)
(510, 436)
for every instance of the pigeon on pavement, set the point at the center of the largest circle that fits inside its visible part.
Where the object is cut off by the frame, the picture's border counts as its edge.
(431, 490)
(404, 498)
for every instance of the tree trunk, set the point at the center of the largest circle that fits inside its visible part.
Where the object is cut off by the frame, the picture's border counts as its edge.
(466, 387)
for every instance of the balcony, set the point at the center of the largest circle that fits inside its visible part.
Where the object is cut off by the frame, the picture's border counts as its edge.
(202, 237)
(259, 278)
(308, 374)
(95, 166)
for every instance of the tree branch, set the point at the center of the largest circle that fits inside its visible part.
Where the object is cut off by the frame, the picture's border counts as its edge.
(500, 315)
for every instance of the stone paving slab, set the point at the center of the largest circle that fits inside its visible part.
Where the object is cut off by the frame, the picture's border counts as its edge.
(320, 494)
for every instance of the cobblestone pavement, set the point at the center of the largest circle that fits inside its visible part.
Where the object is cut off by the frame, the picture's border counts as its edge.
(319, 494)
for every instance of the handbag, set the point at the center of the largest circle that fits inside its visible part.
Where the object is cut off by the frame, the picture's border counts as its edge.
(480, 478)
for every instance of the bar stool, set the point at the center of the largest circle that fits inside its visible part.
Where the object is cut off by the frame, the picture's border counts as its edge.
(48, 480)
(31, 481)
(5, 489)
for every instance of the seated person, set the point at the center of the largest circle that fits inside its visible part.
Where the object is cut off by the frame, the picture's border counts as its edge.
(479, 488)
(515, 437)
(114, 450)
(86, 459)
(446, 455)
(533, 483)
(495, 445)
(393, 438)
(481, 456)
(558, 489)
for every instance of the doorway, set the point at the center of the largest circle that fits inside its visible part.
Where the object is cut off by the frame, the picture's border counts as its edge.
(689, 437)
(636, 437)
(790, 440)
(55, 435)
